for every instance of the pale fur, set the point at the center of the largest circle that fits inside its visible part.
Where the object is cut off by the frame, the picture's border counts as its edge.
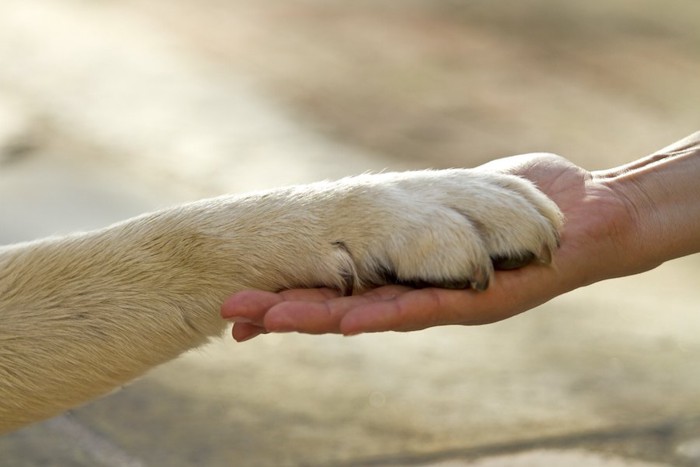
(83, 314)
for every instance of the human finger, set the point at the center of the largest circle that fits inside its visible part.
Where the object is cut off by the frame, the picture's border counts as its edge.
(322, 316)
(410, 311)
(242, 332)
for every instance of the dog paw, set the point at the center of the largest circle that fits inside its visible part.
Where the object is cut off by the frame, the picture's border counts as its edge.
(446, 228)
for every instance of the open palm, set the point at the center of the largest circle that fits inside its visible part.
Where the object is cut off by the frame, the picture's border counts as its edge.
(596, 218)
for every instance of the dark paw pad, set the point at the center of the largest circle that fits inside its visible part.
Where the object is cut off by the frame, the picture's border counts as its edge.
(479, 282)
(505, 263)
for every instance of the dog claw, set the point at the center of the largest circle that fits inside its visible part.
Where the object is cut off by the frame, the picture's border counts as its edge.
(480, 281)
(545, 256)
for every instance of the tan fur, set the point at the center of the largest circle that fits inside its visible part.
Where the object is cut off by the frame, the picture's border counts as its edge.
(83, 314)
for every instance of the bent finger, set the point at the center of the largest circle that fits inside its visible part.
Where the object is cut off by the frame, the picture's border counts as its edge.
(242, 332)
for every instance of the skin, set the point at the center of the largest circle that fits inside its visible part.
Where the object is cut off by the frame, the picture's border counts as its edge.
(619, 222)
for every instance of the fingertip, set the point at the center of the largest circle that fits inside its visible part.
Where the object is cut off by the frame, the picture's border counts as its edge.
(248, 304)
(245, 332)
(231, 305)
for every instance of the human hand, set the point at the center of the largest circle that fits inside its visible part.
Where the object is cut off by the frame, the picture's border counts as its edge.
(598, 221)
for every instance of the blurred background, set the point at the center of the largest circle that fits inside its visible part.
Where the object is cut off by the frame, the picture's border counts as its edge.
(109, 109)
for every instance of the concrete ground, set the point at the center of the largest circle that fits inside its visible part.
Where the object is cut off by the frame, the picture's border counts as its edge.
(109, 109)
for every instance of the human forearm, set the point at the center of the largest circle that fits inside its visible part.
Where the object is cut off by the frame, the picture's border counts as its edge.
(663, 194)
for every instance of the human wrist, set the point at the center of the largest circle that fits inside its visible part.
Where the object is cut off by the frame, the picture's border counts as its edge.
(662, 198)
